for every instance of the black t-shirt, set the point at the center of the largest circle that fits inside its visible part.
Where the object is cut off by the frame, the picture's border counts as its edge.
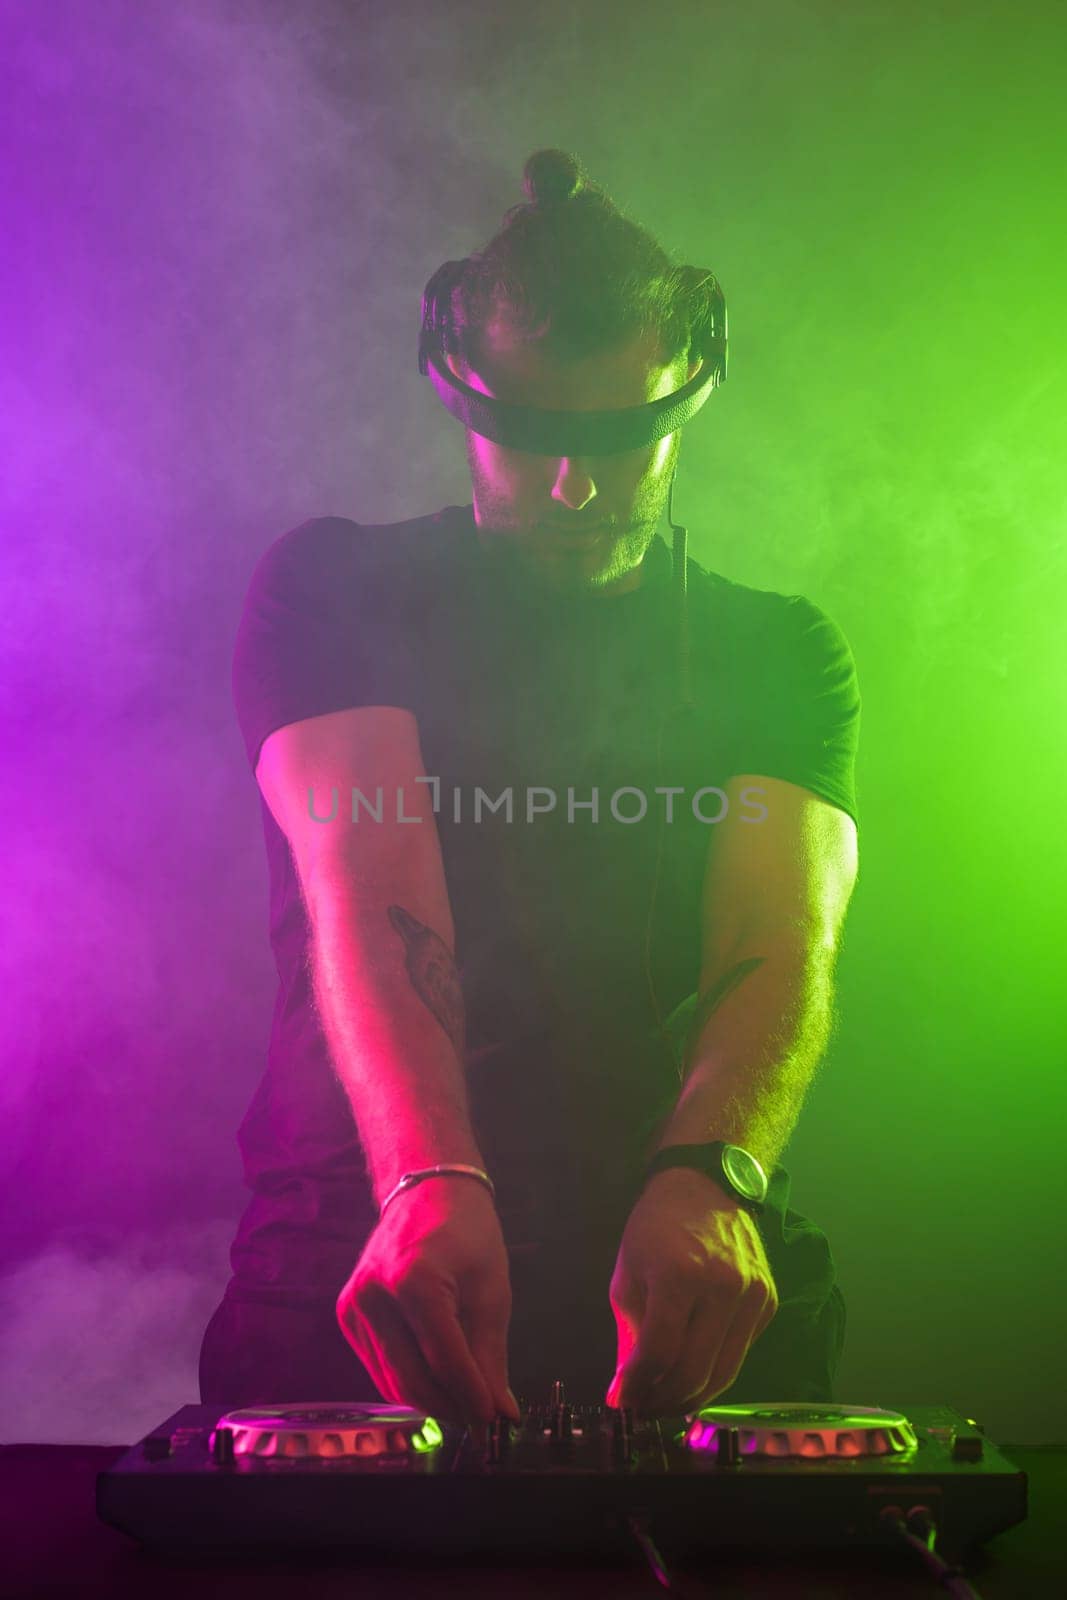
(514, 689)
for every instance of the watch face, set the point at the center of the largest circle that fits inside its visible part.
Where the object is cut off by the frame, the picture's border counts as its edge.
(744, 1172)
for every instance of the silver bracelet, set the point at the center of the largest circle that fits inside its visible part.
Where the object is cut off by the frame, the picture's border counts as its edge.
(410, 1179)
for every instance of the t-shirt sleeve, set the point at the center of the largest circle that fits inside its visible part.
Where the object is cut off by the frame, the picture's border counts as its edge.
(322, 629)
(803, 718)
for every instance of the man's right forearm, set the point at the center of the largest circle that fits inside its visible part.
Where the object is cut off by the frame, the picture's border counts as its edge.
(391, 1007)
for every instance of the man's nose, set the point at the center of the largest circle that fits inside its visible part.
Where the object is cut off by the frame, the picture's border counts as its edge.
(574, 485)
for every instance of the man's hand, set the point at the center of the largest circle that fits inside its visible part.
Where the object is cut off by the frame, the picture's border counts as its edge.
(691, 1291)
(428, 1304)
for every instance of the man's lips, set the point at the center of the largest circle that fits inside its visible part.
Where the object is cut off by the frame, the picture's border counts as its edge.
(576, 535)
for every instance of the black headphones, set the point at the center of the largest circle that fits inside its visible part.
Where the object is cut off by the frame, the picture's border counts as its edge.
(567, 433)
(580, 433)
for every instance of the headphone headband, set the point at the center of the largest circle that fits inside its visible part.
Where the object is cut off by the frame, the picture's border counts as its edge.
(563, 433)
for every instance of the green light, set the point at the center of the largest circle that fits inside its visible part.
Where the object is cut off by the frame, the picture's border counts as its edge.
(428, 1437)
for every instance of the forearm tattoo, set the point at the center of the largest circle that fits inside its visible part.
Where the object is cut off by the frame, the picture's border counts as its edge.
(432, 970)
(710, 1002)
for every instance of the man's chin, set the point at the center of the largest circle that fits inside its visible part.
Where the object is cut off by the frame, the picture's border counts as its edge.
(565, 565)
(574, 569)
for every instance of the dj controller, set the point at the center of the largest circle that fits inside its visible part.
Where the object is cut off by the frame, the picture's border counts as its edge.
(565, 1478)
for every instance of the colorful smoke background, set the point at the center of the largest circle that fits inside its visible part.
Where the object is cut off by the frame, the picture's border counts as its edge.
(219, 218)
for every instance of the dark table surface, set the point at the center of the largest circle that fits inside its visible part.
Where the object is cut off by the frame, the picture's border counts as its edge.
(53, 1544)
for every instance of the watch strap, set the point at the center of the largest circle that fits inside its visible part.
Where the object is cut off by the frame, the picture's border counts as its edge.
(707, 1158)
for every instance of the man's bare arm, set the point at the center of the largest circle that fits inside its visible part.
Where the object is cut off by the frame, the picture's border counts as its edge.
(754, 1049)
(426, 1306)
(776, 892)
(382, 937)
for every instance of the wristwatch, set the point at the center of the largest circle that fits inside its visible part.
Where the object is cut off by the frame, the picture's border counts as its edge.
(737, 1170)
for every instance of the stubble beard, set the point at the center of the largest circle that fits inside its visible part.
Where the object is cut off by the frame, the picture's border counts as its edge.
(542, 560)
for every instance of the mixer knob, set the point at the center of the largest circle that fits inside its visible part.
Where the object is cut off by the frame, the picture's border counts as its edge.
(562, 1423)
(622, 1426)
(498, 1442)
(967, 1446)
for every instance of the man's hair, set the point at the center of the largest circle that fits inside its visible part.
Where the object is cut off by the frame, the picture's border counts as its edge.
(571, 272)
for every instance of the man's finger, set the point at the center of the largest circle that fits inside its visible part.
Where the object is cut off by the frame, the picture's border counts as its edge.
(356, 1335)
(707, 1329)
(735, 1346)
(391, 1354)
(658, 1346)
(444, 1347)
(486, 1331)
(628, 1312)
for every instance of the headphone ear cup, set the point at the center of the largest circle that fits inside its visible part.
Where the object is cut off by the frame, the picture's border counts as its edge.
(437, 332)
(709, 322)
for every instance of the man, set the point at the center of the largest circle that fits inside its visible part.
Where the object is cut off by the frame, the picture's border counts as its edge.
(465, 989)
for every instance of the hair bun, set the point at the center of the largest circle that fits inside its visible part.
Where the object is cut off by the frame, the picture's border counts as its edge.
(551, 177)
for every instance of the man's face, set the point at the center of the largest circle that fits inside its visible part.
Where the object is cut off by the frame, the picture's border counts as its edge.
(578, 523)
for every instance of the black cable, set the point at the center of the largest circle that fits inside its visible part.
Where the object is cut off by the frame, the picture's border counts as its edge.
(685, 704)
(680, 576)
(638, 1522)
(638, 1525)
(918, 1531)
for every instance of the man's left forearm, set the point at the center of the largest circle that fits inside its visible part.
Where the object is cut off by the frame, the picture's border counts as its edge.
(752, 1050)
